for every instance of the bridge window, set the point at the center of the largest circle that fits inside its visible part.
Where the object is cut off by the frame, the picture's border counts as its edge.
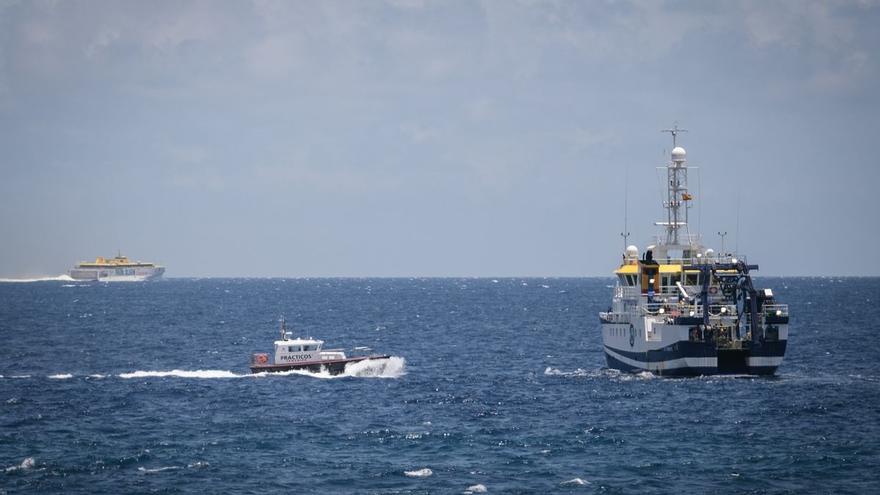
(294, 348)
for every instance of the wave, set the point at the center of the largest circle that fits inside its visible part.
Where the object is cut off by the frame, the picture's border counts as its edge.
(59, 278)
(479, 488)
(419, 473)
(600, 373)
(393, 367)
(575, 481)
(63, 376)
(158, 470)
(26, 464)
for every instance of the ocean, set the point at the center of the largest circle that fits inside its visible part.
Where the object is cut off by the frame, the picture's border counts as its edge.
(497, 386)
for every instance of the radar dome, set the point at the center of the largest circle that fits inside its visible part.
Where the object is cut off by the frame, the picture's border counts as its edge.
(632, 252)
(678, 154)
(710, 252)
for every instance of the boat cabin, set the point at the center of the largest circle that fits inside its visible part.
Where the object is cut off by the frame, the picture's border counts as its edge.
(290, 350)
(303, 350)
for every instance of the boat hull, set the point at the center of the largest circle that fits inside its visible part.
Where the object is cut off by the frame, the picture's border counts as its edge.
(333, 367)
(670, 350)
(699, 360)
(117, 274)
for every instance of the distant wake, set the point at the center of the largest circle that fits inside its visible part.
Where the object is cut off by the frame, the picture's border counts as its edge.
(59, 278)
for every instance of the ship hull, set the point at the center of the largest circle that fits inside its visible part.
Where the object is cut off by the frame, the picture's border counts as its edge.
(669, 351)
(709, 361)
(333, 367)
(139, 274)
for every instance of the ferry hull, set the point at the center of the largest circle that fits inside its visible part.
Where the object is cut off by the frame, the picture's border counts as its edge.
(116, 274)
(334, 367)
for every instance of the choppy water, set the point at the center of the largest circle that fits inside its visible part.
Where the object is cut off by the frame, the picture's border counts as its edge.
(500, 386)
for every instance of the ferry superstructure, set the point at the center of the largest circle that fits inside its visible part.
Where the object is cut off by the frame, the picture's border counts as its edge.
(116, 269)
(680, 309)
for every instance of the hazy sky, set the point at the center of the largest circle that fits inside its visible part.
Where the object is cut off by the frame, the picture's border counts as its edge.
(421, 138)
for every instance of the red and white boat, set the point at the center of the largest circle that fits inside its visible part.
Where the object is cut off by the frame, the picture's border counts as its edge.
(307, 354)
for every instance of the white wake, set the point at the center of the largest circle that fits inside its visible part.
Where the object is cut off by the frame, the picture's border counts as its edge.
(181, 374)
(59, 278)
(393, 367)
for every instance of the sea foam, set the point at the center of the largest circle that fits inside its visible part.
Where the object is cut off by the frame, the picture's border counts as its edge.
(26, 464)
(181, 374)
(575, 481)
(419, 473)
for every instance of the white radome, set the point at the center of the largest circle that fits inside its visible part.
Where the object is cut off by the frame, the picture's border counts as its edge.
(678, 154)
(632, 252)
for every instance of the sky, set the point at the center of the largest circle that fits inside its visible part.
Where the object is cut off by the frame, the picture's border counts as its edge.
(413, 138)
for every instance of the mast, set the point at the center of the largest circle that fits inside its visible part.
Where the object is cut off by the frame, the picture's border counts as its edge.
(625, 234)
(677, 196)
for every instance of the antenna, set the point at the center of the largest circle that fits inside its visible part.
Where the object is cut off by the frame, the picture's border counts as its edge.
(674, 131)
(677, 196)
(283, 329)
(736, 250)
(625, 233)
(722, 234)
(699, 206)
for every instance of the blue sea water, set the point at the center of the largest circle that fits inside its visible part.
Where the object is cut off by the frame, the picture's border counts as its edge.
(500, 386)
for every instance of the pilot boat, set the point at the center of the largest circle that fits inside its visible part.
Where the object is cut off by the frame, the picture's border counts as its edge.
(307, 354)
(681, 309)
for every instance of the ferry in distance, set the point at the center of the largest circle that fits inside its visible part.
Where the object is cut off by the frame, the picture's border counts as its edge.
(117, 269)
(307, 354)
(682, 309)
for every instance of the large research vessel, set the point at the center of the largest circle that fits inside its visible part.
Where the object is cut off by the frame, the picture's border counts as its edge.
(117, 269)
(681, 309)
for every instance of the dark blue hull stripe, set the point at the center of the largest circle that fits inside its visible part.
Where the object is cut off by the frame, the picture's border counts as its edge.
(685, 349)
(688, 371)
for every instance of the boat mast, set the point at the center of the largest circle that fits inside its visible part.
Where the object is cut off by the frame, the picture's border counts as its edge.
(676, 191)
(625, 234)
